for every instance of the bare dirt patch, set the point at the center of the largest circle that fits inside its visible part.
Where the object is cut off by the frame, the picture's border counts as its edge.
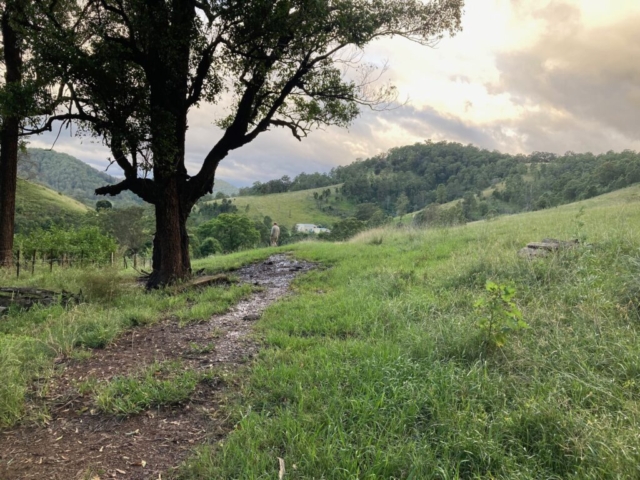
(80, 442)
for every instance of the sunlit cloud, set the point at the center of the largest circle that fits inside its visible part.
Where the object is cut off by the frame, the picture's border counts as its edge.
(524, 75)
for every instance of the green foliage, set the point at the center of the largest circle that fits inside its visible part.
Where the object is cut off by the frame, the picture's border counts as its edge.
(204, 211)
(402, 204)
(88, 243)
(103, 205)
(234, 232)
(132, 226)
(490, 182)
(438, 216)
(209, 246)
(345, 229)
(498, 314)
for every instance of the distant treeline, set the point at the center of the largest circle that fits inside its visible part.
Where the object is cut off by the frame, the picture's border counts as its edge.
(407, 179)
(304, 181)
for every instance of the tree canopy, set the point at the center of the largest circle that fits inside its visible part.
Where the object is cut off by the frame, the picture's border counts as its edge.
(134, 69)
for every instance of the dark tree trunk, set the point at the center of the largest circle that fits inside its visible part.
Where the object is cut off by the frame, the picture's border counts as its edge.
(171, 260)
(168, 75)
(9, 143)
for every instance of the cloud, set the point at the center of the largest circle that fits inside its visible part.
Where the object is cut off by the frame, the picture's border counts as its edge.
(579, 86)
(524, 75)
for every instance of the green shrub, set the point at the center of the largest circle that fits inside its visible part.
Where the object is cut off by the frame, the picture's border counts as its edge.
(499, 315)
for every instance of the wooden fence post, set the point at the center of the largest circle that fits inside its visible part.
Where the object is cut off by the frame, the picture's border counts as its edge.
(33, 263)
(51, 261)
(124, 260)
(18, 265)
(112, 259)
(135, 260)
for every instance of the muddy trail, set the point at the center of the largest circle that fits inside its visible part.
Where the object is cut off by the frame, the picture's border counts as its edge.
(80, 442)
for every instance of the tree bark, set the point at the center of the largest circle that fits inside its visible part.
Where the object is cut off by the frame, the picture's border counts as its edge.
(9, 143)
(171, 260)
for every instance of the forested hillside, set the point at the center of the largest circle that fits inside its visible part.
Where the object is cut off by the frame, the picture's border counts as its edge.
(407, 179)
(423, 174)
(76, 179)
(70, 176)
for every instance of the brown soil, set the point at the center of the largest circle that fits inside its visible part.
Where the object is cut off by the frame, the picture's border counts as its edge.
(79, 442)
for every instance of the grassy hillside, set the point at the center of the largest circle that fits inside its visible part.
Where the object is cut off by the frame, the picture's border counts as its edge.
(377, 368)
(37, 205)
(297, 207)
(224, 187)
(70, 176)
(75, 178)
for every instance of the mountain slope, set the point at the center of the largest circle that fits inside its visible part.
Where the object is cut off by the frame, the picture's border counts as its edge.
(297, 207)
(76, 179)
(39, 206)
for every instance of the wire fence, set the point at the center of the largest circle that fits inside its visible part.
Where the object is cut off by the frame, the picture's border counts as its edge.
(35, 262)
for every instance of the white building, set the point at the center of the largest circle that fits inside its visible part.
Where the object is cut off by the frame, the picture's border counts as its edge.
(310, 228)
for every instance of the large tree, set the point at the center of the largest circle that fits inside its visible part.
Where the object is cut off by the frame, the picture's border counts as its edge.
(25, 95)
(10, 119)
(139, 66)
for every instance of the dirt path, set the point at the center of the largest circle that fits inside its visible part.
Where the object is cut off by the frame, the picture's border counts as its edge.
(80, 442)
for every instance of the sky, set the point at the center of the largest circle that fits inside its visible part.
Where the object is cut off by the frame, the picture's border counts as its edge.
(522, 76)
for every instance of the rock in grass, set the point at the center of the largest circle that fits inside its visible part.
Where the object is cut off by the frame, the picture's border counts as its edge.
(548, 245)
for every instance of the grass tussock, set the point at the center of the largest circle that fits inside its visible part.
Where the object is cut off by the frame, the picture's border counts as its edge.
(379, 369)
(160, 384)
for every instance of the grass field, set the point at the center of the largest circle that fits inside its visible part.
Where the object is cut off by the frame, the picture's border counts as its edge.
(296, 207)
(35, 203)
(33, 197)
(376, 367)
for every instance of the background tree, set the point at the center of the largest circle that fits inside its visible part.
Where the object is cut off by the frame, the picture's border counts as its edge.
(402, 205)
(130, 226)
(137, 69)
(103, 205)
(441, 193)
(234, 232)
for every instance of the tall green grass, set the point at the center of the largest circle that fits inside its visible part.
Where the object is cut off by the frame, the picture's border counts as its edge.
(377, 370)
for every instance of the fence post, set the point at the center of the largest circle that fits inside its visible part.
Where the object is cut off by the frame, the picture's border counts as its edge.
(124, 260)
(135, 260)
(112, 259)
(18, 265)
(51, 261)
(33, 263)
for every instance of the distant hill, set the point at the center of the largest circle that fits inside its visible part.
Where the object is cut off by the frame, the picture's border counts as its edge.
(297, 207)
(76, 179)
(480, 182)
(39, 206)
(224, 187)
